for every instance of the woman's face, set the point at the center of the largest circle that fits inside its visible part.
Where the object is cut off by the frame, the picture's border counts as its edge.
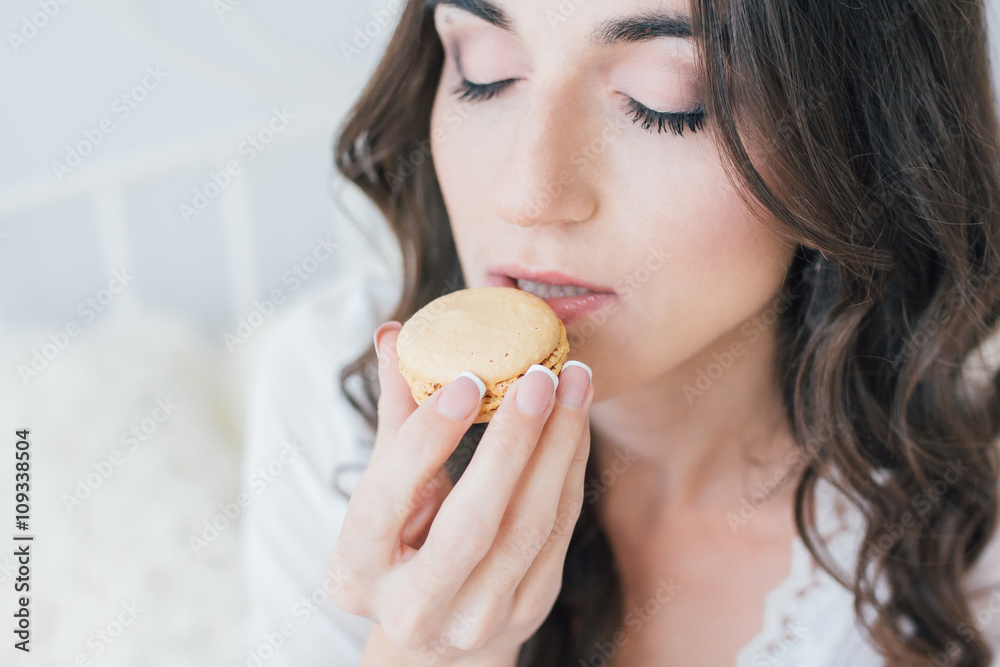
(575, 166)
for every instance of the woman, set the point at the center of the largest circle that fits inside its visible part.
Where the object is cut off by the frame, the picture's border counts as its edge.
(792, 215)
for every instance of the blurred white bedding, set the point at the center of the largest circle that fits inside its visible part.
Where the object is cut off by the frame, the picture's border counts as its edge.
(113, 532)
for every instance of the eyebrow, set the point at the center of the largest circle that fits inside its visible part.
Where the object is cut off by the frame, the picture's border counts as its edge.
(623, 30)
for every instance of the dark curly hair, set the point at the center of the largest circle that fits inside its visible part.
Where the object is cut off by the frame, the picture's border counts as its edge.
(869, 132)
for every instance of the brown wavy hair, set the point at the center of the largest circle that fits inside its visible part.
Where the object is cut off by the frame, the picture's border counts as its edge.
(870, 133)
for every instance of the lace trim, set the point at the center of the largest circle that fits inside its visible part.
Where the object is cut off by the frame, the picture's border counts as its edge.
(807, 609)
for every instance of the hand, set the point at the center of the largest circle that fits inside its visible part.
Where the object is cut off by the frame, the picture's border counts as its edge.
(463, 575)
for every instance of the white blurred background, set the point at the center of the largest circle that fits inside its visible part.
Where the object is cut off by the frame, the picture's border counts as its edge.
(116, 299)
(222, 75)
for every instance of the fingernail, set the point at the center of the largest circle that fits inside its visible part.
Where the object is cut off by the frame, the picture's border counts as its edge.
(575, 386)
(460, 396)
(382, 328)
(534, 393)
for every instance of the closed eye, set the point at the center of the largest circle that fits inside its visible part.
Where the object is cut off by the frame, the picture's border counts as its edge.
(662, 121)
(675, 121)
(480, 92)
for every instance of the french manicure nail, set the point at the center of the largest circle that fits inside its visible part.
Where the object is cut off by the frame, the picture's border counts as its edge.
(575, 388)
(574, 362)
(533, 397)
(458, 399)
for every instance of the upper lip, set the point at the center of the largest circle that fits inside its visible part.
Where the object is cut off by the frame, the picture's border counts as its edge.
(549, 277)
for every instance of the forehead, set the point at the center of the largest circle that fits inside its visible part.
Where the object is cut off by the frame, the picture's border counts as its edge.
(593, 23)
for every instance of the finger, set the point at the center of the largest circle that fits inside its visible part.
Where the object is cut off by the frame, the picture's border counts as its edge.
(395, 402)
(538, 506)
(432, 496)
(389, 489)
(540, 585)
(469, 518)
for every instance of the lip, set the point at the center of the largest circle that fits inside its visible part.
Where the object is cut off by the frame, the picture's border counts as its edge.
(568, 309)
(515, 272)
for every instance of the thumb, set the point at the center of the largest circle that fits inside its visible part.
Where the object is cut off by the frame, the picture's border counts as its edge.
(395, 402)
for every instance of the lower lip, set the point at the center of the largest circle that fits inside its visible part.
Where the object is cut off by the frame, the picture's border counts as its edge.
(568, 309)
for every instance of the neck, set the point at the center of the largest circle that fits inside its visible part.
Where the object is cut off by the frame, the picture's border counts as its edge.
(677, 444)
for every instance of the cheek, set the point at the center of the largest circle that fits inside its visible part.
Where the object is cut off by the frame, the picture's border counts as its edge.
(464, 159)
(724, 263)
(677, 195)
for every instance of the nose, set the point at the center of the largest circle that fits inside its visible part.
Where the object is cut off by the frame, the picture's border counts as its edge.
(548, 174)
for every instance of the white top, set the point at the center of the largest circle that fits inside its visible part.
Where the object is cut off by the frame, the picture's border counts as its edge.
(300, 427)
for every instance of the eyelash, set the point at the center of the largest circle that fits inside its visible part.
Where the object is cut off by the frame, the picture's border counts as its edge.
(646, 118)
(480, 92)
(675, 121)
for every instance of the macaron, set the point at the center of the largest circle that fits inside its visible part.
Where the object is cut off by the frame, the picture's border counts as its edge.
(498, 333)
